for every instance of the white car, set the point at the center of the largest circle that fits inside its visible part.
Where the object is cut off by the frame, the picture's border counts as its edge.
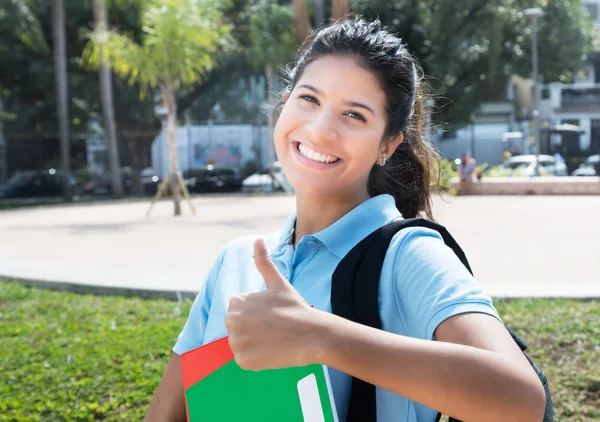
(587, 168)
(262, 181)
(524, 165)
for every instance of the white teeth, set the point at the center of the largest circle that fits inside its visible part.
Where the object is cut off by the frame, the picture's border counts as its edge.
(316, 156)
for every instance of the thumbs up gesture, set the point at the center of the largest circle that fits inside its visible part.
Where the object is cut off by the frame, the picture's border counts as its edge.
(274, 328)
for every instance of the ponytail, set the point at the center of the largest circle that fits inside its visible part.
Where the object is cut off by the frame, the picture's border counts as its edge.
(407, 175)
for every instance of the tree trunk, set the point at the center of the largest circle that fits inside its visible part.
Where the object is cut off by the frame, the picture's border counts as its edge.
(319, 12)
(135, 145)
(269, 78)
(3, 151)
(62, 99)
(301, 20)
(168, 94)
(108, 111)
(339, 9)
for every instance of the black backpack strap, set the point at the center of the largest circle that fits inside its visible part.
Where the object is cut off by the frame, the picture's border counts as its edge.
(355, 296)
(357, 300)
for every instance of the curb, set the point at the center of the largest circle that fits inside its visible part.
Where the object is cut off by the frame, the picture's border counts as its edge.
(101, 290)
(186, 294)
(7, 206)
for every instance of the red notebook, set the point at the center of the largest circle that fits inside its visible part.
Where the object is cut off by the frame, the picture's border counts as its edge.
(217, 389)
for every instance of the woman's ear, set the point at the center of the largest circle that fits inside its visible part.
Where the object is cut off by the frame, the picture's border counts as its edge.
(389, 147)
(285, 96)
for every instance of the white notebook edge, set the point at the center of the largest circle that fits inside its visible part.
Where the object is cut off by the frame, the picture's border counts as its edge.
(330, 391)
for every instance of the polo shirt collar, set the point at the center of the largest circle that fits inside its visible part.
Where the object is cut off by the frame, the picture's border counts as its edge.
(357, 224)
(353, 227)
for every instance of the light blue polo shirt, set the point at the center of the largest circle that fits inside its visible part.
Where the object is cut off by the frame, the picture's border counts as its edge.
(422, 284)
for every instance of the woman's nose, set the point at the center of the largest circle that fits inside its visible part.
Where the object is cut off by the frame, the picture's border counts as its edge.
(323, 127)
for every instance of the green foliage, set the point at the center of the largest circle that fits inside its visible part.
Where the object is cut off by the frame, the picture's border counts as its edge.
(271, 34)
(19, 21)
(448, 170)
(70, 357)
(564, 340)
(27, 79)
(468, 48)
(180, 39)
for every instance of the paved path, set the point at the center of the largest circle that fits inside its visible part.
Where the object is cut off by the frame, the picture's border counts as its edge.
(518, 246)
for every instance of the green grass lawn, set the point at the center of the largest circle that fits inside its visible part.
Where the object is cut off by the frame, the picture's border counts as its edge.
(69, 357)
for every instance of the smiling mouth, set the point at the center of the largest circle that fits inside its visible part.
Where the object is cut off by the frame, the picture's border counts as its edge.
(315, 156)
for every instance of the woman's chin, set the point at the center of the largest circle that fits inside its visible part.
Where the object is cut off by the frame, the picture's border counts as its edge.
(305, 186)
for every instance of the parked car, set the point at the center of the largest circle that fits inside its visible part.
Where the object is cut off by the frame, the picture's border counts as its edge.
(524, 165)
(36, 184)
(101, 184)
(589, 167)
(263, 182)
(212, 178)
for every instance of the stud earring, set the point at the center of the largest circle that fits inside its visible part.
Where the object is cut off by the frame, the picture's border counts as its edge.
(383, 159)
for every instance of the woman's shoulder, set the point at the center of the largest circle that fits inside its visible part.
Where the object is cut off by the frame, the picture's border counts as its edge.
(423, 249)
(406, 237)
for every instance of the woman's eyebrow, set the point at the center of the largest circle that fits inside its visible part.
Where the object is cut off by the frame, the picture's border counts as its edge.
(349, 103)
(360, 105)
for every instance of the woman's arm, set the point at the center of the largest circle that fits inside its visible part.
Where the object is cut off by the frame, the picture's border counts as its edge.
(474, 372)
(465, 374)
(168, 403)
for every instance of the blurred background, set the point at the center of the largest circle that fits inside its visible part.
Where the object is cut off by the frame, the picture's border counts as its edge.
(83, 109)
(109, 106)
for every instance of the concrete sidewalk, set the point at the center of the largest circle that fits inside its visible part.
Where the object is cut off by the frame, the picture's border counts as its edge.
(518, 246)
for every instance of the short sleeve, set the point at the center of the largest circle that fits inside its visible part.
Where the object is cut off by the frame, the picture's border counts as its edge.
(192, 335)
(432, 285)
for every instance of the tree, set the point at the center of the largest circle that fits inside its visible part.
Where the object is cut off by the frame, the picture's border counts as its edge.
(30, 117)
(272, 44)
(302, 25)
(108, 111)
(176, 51)
(18, 22)
(20, 26)
(468, 48)
(302, 17)
(60, 69)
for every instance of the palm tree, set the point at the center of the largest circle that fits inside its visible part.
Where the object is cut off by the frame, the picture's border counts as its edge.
(18, 20)
(62, 96)
(301, 20)
(339, 9)
(272, 45)
(302, 26)
(180, 40)
(108, 110)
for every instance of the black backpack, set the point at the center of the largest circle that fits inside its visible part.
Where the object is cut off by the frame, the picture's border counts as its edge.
(354, 296)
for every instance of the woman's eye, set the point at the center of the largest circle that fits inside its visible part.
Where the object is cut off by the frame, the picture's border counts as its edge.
(309, 98)
(356, 116)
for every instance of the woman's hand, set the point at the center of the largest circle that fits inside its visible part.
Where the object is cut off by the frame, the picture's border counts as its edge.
(274, 328)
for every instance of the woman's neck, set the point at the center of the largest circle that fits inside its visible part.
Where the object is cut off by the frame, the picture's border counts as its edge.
(317, 212)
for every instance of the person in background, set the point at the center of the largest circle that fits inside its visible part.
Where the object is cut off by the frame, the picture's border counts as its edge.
(468, 167)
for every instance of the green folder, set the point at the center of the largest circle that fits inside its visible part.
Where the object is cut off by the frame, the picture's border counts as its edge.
(217, 389)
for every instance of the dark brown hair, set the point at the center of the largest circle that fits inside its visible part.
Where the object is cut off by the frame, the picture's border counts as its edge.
(407, 175)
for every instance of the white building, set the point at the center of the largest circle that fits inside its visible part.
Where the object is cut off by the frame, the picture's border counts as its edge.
(578, 103)
(485, 137)
(231, 145)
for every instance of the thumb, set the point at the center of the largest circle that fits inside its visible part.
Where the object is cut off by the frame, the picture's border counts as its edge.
(266, 267)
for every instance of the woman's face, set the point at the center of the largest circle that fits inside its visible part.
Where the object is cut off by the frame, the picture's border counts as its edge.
(328, 135)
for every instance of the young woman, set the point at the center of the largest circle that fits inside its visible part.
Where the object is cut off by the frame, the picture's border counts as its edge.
(348, 137)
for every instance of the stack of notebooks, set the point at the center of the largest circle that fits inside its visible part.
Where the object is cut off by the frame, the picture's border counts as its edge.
(218, 390)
